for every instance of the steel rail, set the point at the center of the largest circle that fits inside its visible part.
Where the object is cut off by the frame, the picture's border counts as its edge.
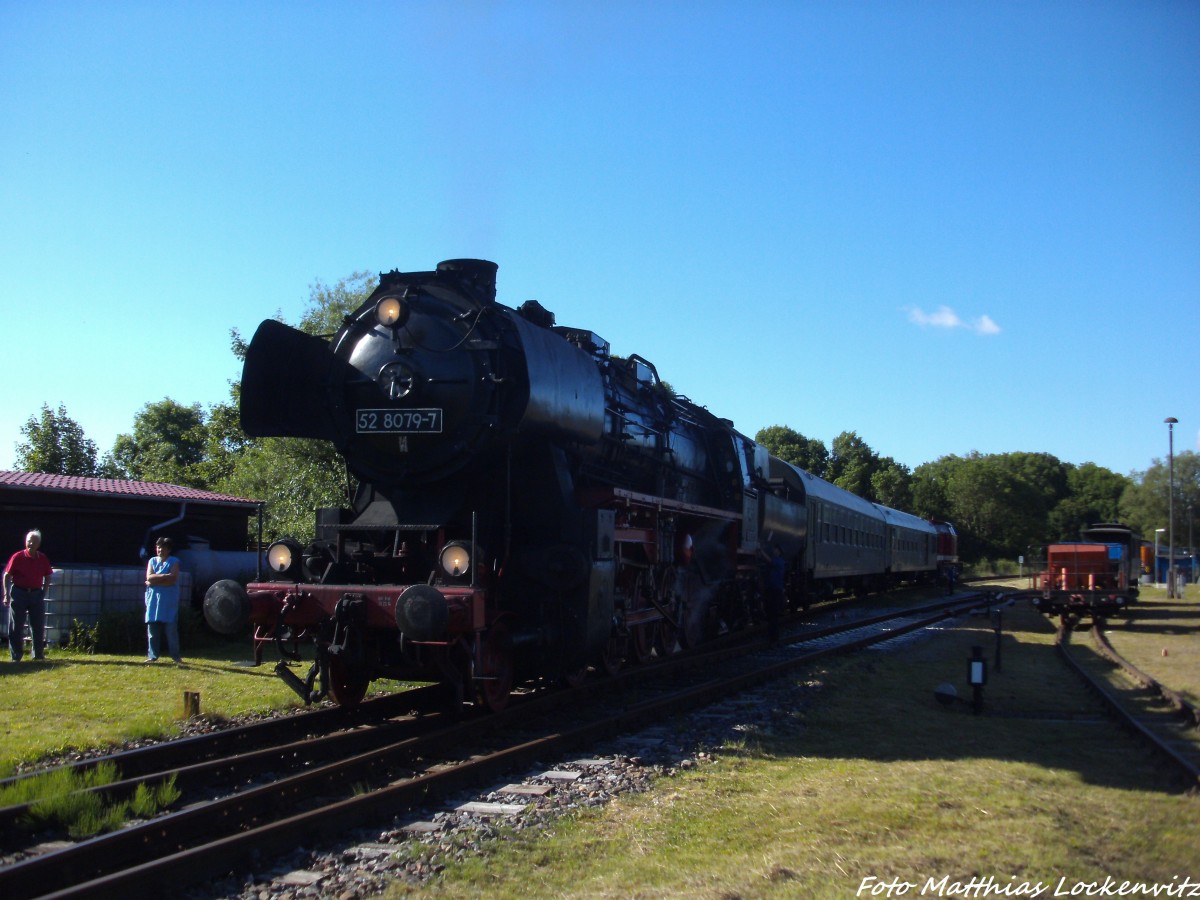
(1176, 699)
(1187, 768)
(186, 837)
(168, 754)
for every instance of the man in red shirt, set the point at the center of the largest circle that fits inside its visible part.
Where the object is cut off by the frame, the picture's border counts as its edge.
(26, 581)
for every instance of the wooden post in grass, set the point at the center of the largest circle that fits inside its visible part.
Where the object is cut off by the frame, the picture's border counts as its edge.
(191, 704)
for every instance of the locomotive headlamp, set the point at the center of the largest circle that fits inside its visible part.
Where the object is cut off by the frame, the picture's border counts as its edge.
(283, 557)
(455, 559)
(391, 312)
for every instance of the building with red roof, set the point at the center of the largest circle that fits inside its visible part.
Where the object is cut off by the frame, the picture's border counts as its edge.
(113, 522)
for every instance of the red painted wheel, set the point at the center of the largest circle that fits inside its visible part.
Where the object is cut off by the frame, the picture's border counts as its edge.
(494, 680)
(346, 688)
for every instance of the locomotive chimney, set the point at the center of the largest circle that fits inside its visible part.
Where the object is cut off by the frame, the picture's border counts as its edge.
(478, 275)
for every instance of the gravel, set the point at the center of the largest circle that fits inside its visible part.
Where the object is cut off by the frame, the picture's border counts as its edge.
(416, 847)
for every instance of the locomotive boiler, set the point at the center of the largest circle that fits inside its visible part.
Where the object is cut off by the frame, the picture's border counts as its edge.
(528, 505)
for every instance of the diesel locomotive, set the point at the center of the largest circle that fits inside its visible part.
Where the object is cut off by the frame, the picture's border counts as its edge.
(529, 504)
(1097, 575)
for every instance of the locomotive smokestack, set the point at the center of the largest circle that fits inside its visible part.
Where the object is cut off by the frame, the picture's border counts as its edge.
(478, 275)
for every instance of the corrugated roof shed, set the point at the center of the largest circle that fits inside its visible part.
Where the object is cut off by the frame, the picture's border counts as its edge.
(108, 521)
(117, 487)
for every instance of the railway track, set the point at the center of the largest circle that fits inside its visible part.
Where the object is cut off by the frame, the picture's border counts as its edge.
(1162, 718)
(382, 764)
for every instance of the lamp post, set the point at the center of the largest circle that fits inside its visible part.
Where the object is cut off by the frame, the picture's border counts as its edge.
(1157, 532)
(1171, 422)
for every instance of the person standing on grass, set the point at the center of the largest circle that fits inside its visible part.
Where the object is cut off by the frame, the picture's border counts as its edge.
(162, 602)
(26, 582)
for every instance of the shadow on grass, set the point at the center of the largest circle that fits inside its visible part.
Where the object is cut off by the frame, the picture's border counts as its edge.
(881, 705)
(1164, 617)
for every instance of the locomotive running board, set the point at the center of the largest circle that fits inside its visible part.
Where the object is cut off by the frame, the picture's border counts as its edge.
(615, 496)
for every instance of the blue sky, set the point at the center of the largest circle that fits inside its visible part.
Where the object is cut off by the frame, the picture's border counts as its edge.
(947, 226)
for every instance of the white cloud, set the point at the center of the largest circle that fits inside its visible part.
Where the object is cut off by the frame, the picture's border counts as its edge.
(945, 317)
(985, 325)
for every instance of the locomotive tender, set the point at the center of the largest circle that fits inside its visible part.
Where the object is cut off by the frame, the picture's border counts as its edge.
(528, 504)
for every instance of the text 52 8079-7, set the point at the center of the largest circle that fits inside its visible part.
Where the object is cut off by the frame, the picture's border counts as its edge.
(398, 421)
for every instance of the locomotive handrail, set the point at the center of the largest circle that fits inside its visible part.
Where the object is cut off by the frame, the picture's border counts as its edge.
(401, 527)
(603, 496)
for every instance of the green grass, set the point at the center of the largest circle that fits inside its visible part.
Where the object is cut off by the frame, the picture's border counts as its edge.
(75, 700)
(1160, 638)
(867, 775)
(59, 799)
(871, 777)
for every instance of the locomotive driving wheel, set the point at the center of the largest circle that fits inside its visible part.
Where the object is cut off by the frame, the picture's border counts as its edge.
(346, 686)
(692, 613)
(494, 680)
(671, 606)
(641, 637)
(613, 653)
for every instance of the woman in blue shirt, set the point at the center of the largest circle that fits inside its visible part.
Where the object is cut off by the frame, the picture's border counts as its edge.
(162, 601)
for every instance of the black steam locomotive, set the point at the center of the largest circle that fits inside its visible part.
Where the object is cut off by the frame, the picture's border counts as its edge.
(529, 504)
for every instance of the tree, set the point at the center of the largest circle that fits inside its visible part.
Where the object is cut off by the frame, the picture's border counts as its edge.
(793, 447)
(1045, 474)
(167, 445)
(851, 464)
(1093, 495)
(294, 477)
(931, 488)
(224, 441)
(1144, 505)
(999, 503)
(56, 445)
(990, 504)
(329, 306)
(891, 485)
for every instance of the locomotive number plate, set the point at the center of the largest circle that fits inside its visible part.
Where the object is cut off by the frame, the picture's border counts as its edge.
(398, 421)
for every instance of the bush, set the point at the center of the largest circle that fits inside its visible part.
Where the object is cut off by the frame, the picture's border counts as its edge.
(113, 633)
(125, 632)
(997, 568)
(81, 637)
